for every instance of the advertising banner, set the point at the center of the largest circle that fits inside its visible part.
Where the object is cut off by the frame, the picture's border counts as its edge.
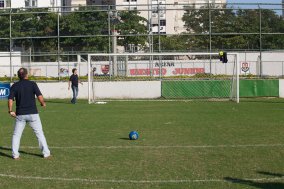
(4, 90)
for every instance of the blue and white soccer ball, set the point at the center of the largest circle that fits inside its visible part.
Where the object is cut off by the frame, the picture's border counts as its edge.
(133, 135)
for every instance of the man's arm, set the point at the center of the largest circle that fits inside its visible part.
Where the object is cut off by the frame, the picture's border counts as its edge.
(41, 100)
(39, 95)
(11, 101)
(10, 108)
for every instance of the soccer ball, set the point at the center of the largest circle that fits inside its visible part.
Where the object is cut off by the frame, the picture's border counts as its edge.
(133, 135)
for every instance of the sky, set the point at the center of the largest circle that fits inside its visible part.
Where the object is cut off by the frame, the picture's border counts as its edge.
(254, 1)
(259, 1)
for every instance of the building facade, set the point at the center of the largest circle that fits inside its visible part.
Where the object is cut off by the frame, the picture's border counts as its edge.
(40, 3)
(30, 3)
(164, 16)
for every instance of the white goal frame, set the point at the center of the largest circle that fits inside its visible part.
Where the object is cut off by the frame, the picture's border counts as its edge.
(237, 59)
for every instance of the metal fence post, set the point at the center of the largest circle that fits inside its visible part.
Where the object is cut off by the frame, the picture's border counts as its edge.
(260, 41)
(210, 36)
(58, 44)
(11, 45)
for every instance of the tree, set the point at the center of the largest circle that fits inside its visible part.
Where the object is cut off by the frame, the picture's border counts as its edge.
(197, 22)
(4, 30)
(132, 24)
(87, 24)
(34, 29)
(242, 28)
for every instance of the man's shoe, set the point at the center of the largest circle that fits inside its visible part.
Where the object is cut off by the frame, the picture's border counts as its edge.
(48, 157)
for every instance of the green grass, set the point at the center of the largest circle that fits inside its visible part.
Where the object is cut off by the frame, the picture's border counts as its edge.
(172, 145)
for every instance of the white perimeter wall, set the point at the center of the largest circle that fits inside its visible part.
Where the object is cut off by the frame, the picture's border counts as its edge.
(103, 90)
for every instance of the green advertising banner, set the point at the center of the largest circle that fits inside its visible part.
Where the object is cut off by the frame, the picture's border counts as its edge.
(218, 88)
(259, 88)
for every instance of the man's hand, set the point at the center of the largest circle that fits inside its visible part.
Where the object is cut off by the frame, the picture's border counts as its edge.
(12, 114)
(10, 106)
(41, 101)
(43, 105)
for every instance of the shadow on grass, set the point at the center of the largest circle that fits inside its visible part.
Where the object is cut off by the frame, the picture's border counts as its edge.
(22, 152)
(263, 100)
(258, 183)
(58, 101)
(5, 155)
(271, 174)
(124, 138)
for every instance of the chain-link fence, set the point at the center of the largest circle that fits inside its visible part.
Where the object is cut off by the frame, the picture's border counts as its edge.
(51, 41)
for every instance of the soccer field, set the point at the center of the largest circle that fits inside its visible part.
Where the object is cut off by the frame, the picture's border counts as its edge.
(182, 144)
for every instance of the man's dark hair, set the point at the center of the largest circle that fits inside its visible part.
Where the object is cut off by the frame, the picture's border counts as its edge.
(73, 70)
(22, 73)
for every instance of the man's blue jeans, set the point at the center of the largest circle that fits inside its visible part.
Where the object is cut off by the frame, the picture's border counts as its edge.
(35, 123)
(75, 94)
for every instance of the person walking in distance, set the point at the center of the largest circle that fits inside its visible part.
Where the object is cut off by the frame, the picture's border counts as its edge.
(24, 92)
(74, 80)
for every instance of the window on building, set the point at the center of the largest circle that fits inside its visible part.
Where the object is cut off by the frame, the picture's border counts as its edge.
(8, 3)
(2, 4)
(132, 48)
(132, 8)
(63, 3)
(159, 32)
(27, 3)
(34, 3)
(162, 22)
(31, 3)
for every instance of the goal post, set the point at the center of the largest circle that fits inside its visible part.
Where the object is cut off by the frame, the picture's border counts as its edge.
(200, 76)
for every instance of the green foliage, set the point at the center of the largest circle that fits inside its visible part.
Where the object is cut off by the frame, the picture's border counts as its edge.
(34, 23)
(171, 43)
(86, 24)
(85, 29)
(35, 30)
(132, 24)
(242, 26)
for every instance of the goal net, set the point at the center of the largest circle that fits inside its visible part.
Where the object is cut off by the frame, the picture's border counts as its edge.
(192, 76)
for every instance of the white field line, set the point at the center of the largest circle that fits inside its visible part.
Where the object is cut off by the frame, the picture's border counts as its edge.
(139, 181)
(158, 147)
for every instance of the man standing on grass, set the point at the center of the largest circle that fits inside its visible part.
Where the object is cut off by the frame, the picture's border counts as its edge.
(74, 80)
(24, 93)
